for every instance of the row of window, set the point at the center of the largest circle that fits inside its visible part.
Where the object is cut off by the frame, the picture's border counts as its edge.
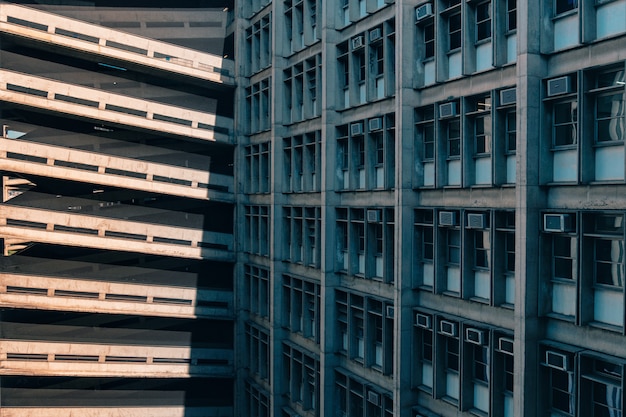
(582, 264)
(366, 154)
(465, 253)
(302, 92)
(302, 235)
(466, 142)
(464, 364)
(301, 303)
(301, 23)
(259, 45)
(578, 383)
(586, 123)
(365, 330)
(355, 10)
(456, 37)
(357, 397)
(258, 105)
(366, 67)
(256, 239)
(301, 376)
(365, 243)
(573, 25)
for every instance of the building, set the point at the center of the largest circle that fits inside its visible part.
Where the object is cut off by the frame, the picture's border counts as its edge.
(432, 207)
(414, 208)
(117, 211)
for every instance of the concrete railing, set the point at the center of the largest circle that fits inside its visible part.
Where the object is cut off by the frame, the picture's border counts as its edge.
(74, 229)
(83, 166)
(87, 359)
(115, 411)
(45, 292)
(89, 38)
(96, 104)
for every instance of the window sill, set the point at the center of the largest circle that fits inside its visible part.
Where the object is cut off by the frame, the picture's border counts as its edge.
(562, 317)
(451, 294)
(605, 326)
(564, 15)
(508, 306)
(607, 182)
(480, 300)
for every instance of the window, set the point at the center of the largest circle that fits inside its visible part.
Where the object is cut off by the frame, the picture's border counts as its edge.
(563, 266)
(425, 145)
(303, 233)
(511, 131)
(423, 347)
(258, 97)
(478, 356)
(504, 259)
(257, 230)
(451, 360)
(559, 376)
(425, 245)
(359, 398)
(257, 283)
(302, 162)
(302, 306)
(257, 168)
(258, 44)
(453, 137)
(301, 371)
(258, 351)
(565, 123)
(602, 379)
(483, 21)
(604, 242)
(257, 401)
(511, 15)
(429, 40)
(562, 6)
(454, 31)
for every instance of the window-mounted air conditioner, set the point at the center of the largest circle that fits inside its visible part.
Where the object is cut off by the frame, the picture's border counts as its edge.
(375, 124)
(422, 320)
(447, 109)
(423, 11)
(358, 42)
(373, 216)
(447, 218)
(505, 345)
(356, 129)
(558, 86)
(557, 360)
(508, 96)
(475, 336)
(390, 312)
(447, 328)
(373, 397)
(476, 221)
(375, 34)
(557, 222)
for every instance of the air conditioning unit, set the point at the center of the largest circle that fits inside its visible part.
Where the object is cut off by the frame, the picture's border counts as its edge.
(508, 96)
(475, 336)
(375, 34)
(356, 129)
(505, 345)
(375, 124)
(558, 86)
(424, 11)
(422, 320)
(557, 360)
(447, 218)
(557, 222)
(476, 221)
(373, 216)
(373, 397)
(358, 42)
(447, 109)
(447, 328)
(390, 312)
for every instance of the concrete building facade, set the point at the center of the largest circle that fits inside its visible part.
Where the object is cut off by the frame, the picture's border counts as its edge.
(431, 205)
(311, 208)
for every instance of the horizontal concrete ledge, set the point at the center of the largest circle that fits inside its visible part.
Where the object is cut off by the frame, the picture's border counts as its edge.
(54, 161)
(109, 43)
(138, 411)
(46, 94)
